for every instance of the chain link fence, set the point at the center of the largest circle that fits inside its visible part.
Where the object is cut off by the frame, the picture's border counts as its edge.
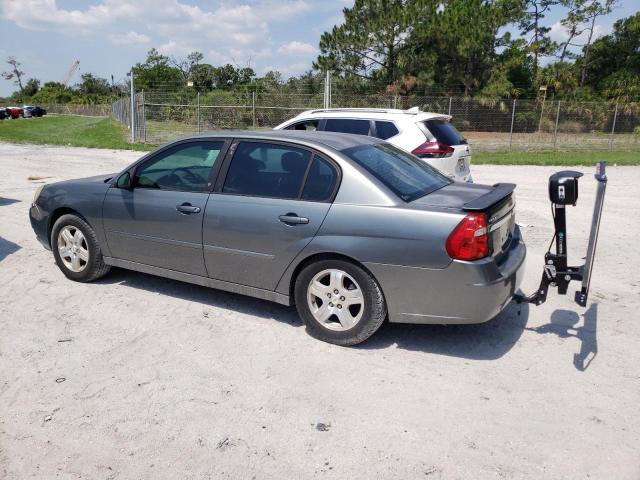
(489, 125)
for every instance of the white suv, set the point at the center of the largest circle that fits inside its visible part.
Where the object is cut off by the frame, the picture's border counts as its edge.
(430, 136)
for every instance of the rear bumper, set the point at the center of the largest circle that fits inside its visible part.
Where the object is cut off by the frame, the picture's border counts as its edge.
(39, 223)
(461, 293)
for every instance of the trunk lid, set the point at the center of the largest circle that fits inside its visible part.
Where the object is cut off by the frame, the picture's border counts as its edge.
(497, 202)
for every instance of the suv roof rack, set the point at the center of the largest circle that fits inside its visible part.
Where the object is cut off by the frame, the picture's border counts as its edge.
(411, 111)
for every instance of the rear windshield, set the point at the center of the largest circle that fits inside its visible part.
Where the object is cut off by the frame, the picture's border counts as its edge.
(407, 176)
(445, 132)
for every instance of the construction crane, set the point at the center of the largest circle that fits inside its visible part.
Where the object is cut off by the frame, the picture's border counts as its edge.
(72, 70)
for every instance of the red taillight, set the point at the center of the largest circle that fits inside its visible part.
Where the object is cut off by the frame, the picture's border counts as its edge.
(433, 149)
(469, 240)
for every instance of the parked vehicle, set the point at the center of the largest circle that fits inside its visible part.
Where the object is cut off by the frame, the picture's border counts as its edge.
(349, 228)
(15, 112)
(33, 111)
(4, 113)
(430, 136)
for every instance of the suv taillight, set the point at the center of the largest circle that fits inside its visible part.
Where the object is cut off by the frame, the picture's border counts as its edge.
(470, 239)
(433, 149)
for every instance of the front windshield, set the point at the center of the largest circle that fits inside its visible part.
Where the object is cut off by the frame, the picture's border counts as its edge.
(407, 176)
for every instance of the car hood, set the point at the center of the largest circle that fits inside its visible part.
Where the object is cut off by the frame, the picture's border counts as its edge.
(94, 179)
(452, 196)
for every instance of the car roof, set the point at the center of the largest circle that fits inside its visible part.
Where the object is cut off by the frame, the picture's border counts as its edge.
(413, 114)
(336, 141)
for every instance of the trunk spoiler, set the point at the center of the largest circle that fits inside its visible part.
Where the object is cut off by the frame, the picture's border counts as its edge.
(500, 192)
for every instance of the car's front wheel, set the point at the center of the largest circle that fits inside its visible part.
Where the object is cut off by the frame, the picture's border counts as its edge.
(339, 302)
(76, 249)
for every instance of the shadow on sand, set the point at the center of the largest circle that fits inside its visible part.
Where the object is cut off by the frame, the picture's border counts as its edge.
(7, 248)
(564, 324)
(486, 341)
(7, 201)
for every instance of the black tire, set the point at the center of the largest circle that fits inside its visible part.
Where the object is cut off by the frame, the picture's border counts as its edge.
(95, 266)
(374, 306)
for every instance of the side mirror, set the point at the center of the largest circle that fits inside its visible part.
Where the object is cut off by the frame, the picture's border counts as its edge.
(125, 181)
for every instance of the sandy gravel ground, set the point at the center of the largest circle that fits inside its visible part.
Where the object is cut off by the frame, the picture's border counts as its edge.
(137, 377)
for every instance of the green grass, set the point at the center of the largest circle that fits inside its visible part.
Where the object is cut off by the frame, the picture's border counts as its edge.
(98, 132)
(94, 132)
(556, 158)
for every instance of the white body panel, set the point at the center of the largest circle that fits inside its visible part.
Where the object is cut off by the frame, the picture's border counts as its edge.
(411, 135)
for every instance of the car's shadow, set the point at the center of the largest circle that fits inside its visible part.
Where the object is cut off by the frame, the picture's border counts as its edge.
(203, 295)
(486, 341)
(563, 323)
(483, 341)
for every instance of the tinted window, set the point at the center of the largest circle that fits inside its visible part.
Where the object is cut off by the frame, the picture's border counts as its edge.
(321, 180)
(385, 130)
(407, 176)
(184, 167)
(267, 170)
(445, 132)
(310, 125)
(343, 125)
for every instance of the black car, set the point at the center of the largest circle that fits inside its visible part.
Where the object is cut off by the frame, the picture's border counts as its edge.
(33, 111)
(3, 113)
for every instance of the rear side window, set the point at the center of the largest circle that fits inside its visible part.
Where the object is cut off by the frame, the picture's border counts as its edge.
(309, 125)
(405, 175)
(267, 170)
(345, 125)
(321, 180)
(385, 130)
(444, 132)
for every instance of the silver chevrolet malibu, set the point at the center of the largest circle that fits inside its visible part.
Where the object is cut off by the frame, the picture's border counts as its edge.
(350, 229)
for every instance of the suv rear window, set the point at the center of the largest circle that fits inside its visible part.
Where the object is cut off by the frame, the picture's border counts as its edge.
(445, 132)
(345, 125)
(405, 175)
(385, 130)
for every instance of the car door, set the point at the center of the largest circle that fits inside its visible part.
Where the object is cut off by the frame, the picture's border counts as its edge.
(267, 207)
(156, 218)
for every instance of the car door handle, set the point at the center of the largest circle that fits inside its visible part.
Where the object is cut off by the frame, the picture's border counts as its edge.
(187, 209)
(293, 219)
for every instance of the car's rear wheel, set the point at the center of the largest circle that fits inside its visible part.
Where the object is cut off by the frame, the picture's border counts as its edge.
(76, 249)
(339, 302)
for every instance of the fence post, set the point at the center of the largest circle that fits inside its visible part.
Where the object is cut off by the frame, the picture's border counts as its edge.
(198, 111)
(144, 118)
(133, 110)
(253, 108)
(513, 116)
(613, 127)
(449, 106)
(555, 131)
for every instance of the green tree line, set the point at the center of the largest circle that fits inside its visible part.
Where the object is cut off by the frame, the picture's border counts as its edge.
(494, 49)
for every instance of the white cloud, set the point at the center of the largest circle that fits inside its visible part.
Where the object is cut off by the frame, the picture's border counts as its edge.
(131, 38)
(297, 48)
(45, 14)
(558, 33)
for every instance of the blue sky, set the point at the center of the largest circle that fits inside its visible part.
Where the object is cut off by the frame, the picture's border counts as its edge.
(108, 36)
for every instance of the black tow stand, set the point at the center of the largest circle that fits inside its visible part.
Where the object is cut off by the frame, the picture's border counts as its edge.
(563, 191)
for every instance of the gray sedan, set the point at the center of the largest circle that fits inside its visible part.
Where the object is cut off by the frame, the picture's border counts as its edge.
(348, 228)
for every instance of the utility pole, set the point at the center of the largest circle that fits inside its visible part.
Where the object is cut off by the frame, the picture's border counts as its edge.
(544, 98)
(327, 90)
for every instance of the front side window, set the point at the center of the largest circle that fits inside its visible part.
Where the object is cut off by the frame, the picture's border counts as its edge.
(345, 125)
(184, 167)
(267, 170)
(405, 175)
